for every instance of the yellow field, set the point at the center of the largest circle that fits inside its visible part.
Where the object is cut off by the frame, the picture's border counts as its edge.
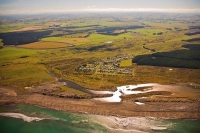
(43, 45)
(126, 63)
(66, 40)
(76, 40)
(79, 35)
(119, 31)
(29, 28)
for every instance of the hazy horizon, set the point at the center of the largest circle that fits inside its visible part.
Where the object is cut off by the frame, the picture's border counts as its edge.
(37, 6)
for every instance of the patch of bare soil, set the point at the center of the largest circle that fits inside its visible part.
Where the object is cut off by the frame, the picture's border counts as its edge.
(7, 92)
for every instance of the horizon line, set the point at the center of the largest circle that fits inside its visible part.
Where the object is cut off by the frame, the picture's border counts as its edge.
(90, 10)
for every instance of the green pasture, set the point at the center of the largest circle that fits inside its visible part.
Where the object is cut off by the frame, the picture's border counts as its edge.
(66, 40)
(25, 67)
(21, 67)
(9, 27)
(54, 39)
(11, 53)
(99, 38)
(149, 31)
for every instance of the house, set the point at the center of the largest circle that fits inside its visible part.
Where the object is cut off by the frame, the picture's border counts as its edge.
(56, 26)
(71, 45)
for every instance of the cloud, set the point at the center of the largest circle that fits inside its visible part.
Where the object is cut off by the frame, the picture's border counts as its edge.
(140, 10)
(93, 9)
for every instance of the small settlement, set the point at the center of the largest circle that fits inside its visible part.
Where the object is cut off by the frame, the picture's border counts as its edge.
(114, 65)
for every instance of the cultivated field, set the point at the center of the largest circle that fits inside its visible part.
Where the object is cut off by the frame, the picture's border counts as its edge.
(52, 60)
(66, 40)
(156, 44)
(28, 28)
(44, 45)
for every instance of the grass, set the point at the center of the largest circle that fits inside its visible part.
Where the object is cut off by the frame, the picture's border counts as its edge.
(99, 38)
(22, 75)
(126, 63)
(155, 74)
(70, 91)
(43, 45)
(21, 72)
(78, 35)
(149, 31)
(10, 54)
(66, 40)
(30, 71)
(1, 43)
(9, 27)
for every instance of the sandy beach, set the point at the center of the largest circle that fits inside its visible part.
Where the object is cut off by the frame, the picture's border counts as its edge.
(130, 124)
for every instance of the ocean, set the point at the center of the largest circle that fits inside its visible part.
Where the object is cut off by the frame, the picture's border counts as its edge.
(54, 121)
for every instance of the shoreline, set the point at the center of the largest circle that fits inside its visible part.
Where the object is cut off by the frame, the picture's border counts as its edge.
(125, 108)
(113, 124)
(101, 109)
(21, 116)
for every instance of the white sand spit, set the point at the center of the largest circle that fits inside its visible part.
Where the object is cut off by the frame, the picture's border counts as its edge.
(139, 103)
(21, 116)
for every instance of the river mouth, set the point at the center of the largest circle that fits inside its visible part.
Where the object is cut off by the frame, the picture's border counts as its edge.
(128, 90)
(149, 90)
(153, 92)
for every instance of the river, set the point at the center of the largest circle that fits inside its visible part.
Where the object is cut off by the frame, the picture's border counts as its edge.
(75, 86)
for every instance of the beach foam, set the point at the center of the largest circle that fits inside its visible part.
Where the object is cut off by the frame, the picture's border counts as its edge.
(21, 116)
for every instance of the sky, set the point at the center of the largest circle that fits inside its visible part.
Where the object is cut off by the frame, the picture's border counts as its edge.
(39, 6)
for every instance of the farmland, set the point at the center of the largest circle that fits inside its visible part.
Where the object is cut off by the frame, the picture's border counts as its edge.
(114, 64)
(20, 67)
(66, 40)
(99, 66)
(43, 45)
(35, 47)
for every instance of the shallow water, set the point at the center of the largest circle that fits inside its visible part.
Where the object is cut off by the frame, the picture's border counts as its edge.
(57, 121)
(65, 122)
(183, 126)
